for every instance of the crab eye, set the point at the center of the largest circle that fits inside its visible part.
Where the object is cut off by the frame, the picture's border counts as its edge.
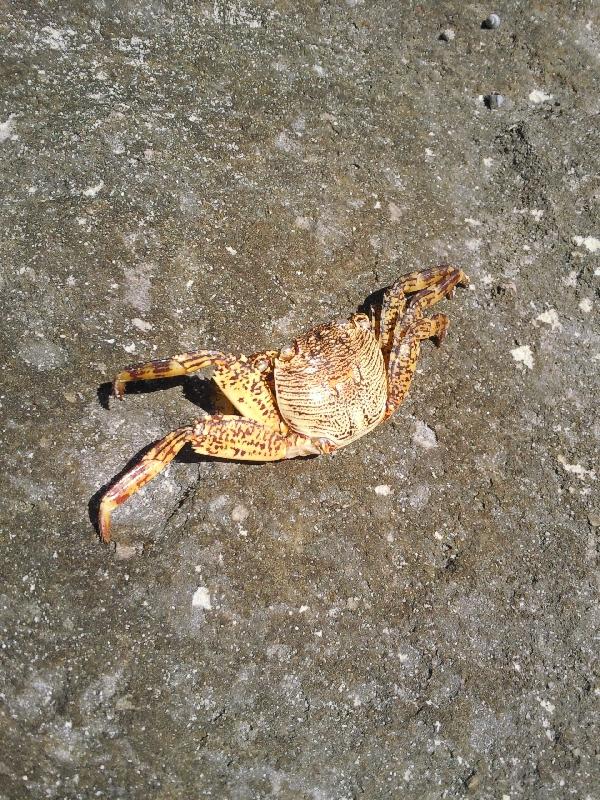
(287, 354)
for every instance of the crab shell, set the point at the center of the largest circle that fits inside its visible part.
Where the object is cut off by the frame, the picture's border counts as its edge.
(332, 383)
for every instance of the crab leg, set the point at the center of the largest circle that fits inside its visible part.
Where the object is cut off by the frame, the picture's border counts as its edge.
(153, 462)
(245, 384)
(242, 380)
(431, 285)
(231, 437)
(184, 364)
(404, 355)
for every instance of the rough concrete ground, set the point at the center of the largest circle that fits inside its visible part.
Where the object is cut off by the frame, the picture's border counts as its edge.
(226, 175)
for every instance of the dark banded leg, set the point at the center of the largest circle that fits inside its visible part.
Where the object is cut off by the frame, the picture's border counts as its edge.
(431, 285)
(405, 353)
(153, 462)
(184, 364)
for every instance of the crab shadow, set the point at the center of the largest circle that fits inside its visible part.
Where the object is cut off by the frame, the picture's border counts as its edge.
(199, 391)
(372, 303)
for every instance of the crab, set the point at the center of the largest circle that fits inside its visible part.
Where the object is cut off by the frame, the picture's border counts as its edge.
(331, 386)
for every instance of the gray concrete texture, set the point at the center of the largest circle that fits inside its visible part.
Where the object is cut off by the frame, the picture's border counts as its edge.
(415, 616)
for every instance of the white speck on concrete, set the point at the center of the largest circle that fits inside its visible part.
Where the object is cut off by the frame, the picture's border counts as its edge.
(547, 705)
(239, 513)
(284, 142)
(419, 496)
(233, 14)
(576, 469)
(550, 317)
(395, 212)
(141, 324)
(424, 436)
(201, 598)
(523, 355)
(304, 223)
(586, 305)
(138, 285)
(123, 552)
(470, 221)
(536, 213)
(129, 348)
(92, 191)
(7, 129)
(571, 279)
(231, 250)
(303, 609)
(589, 242)
(218, 503)
(538, 96)
(487, 162)
(299, 124)
(383, 490)
(55, 38)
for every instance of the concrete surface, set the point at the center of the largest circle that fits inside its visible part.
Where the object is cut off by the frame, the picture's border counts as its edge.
(223, 174)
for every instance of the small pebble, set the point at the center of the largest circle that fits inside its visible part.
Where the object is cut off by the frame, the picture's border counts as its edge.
(447, 35)
(494, 100)
(201, 599)
(239, 513)
(123, 552)
(491, 23)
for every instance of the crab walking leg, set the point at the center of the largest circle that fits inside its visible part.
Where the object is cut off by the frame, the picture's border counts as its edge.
(230, 437)
(245, 439)
(245, 384)
(432, 285)
(404, 355)
(184, 364)
(242, 380)
(153, 462)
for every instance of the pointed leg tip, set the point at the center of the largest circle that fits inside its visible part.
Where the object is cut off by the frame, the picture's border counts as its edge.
(104, 523)
(441, 334)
